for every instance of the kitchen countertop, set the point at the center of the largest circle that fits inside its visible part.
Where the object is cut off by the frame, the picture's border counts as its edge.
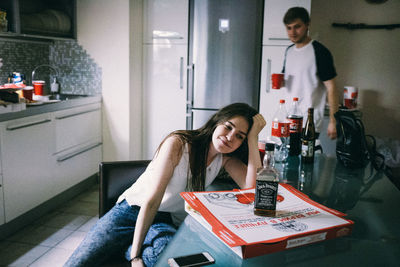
(69, 101)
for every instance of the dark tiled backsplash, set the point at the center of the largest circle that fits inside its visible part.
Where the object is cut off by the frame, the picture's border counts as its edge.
(77, 71)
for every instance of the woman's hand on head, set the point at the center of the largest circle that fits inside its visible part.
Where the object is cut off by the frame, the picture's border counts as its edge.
(258, 124)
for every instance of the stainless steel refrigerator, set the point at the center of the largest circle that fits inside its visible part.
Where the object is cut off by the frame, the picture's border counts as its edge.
(225, 46)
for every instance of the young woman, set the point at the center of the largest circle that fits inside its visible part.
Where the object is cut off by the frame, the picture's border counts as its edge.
(185, 161)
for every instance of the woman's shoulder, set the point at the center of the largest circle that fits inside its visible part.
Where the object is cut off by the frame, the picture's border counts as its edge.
(172, 147)
(174, 142)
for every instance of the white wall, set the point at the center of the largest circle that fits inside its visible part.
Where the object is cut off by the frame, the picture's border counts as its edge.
(368, 59)
(104, 31)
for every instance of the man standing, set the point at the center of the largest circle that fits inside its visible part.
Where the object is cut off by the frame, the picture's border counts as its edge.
(309, 70)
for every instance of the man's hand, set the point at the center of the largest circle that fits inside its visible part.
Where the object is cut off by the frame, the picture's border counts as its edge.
(332, 133)
(137, 262)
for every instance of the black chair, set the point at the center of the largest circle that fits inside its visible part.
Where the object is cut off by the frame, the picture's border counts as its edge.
(115, 178)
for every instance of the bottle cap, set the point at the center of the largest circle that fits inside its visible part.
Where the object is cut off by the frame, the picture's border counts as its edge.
(269, 147)
(282, 101)
(295, 99)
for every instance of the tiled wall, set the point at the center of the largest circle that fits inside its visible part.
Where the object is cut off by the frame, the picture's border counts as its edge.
(77, 71)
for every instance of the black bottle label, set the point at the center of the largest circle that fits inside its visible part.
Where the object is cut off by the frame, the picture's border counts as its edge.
(266, 194)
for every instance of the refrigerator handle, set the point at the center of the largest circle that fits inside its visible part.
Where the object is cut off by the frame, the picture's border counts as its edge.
(190, 91)
(181, 73)
(268, 75)
(189, 100)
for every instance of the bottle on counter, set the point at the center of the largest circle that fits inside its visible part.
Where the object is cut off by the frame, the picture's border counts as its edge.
(295, 118)
(54, 86)
(280, 132)
(308, 139)
(267, 183)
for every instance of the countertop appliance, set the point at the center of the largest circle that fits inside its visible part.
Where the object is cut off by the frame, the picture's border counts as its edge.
(225, 46)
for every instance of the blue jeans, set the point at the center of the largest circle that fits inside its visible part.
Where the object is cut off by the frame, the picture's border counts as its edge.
(112, 235)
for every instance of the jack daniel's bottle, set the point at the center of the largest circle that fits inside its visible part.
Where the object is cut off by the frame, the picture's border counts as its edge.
(267, 185)
(308, 139)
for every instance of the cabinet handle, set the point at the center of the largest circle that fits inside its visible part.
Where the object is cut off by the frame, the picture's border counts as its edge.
(16, 127)
(76, 114)
(78, 152)
(181, 73)
(269, 61)
(278, 39)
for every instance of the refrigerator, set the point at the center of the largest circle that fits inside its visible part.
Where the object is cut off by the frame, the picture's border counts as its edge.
(224, 56)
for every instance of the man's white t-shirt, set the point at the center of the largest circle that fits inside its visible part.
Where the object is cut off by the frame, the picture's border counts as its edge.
(306, 69)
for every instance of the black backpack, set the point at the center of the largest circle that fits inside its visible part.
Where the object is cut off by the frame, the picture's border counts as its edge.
(354, 149)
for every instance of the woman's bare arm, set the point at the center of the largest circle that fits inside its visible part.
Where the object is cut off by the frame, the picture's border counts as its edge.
(164, 165)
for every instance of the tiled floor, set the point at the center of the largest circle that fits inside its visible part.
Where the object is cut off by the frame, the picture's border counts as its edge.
(52, 239)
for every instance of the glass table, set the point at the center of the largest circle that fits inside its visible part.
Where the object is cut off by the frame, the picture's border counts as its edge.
(367, 196)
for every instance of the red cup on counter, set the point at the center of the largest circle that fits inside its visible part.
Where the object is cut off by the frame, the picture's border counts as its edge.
(350, 95)
(38, 87)
(277, 80)
(27, 92)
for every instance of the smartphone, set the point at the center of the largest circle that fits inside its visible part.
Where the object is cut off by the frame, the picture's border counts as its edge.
(199, 259)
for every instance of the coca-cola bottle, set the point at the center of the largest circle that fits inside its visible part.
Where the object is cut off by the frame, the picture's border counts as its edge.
(308, 139)
(295, 118)
(280, 131)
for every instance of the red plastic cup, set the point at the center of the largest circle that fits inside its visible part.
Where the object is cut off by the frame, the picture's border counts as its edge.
(277, 80)
(350, 95)
(38, 87)
(27, 92)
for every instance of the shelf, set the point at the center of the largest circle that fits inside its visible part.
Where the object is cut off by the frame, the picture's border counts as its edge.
(43, 20)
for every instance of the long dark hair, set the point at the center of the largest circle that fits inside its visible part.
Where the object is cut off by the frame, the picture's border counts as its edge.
(199, 141)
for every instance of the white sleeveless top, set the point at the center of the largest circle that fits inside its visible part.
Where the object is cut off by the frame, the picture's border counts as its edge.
(172, 201)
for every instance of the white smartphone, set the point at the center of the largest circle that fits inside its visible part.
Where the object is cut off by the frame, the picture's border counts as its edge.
(199, 259)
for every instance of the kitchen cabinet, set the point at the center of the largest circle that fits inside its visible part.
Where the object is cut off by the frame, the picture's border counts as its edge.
(274, 11)
(165, 40)
(165, 21)
(77, 144)
(40, 18)
(164, 93)
(85, 122)
(26, 149)
(44, 155)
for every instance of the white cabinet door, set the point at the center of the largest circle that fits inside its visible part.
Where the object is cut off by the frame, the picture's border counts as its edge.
(26, 148)
(2, 218)
(164, 93)
(76, 165)
(274, 29)
(78, 144)
(272, 62)
(77, 126)
(166, 21)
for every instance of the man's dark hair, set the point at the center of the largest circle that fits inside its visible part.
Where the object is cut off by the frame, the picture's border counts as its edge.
(296, 13)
